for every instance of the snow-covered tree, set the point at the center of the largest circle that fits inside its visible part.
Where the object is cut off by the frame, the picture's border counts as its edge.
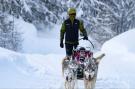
(10, 38)
(118, 14)
(106, 18)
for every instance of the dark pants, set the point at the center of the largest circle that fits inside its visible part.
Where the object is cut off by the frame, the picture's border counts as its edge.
(69, 48)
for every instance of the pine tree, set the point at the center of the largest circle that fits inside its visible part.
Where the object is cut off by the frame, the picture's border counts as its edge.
(10, 38)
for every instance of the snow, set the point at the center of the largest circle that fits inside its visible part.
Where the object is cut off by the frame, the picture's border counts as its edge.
(26, 7)
(39, 66)
(119, 61)
(29, 70)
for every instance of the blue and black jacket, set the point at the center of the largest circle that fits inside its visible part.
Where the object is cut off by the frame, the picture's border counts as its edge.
(70, 31)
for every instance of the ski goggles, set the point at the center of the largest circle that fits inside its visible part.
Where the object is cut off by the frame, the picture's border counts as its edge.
(73, 14)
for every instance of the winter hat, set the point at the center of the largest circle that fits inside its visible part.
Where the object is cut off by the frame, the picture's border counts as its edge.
(72, 11)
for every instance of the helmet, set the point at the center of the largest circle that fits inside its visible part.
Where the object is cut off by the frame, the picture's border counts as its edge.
(72, 11)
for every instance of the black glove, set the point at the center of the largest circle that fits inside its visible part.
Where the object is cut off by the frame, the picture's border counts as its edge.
(61, 44)
(85, 38)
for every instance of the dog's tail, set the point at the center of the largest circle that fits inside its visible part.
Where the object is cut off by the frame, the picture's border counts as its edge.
(98, 59)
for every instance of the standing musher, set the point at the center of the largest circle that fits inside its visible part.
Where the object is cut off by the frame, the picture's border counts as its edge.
(70, 31)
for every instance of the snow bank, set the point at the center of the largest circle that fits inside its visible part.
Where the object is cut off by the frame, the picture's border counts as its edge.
(29, 70)
(119, 62)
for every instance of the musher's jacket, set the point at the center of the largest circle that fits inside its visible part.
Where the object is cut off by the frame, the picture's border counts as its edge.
(70, 31)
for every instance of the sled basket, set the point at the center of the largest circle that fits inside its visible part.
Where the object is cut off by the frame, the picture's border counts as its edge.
(79, 73)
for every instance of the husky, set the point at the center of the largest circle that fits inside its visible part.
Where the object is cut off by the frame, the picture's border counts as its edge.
(70, 79)
(90, 72)
(69, 72)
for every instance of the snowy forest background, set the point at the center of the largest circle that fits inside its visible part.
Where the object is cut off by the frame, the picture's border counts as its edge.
(103, 19)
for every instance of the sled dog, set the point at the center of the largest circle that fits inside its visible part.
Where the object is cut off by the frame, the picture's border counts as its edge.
(89, 76)
(68, 72)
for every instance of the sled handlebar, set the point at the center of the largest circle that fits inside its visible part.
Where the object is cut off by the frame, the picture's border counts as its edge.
(89, 42)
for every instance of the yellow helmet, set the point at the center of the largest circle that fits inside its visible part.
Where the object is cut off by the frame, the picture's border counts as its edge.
(72, 11)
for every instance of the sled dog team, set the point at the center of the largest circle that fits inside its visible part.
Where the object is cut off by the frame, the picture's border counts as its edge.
(89, 76)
